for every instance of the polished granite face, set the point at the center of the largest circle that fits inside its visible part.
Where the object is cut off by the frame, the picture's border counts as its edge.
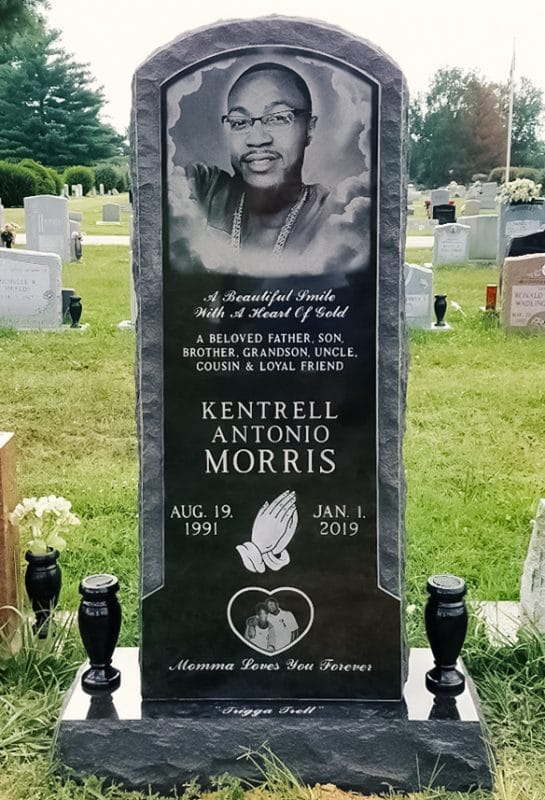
(126, 703)
(271, 392)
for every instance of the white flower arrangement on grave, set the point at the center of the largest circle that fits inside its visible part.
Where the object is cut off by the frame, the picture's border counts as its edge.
(8, 232)
(521, 190)
(44, 518)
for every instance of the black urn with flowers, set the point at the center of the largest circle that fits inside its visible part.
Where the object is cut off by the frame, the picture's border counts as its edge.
(44, 519)
(43, 580)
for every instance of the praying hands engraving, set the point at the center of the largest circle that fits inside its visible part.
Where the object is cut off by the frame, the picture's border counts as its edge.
(272, 531)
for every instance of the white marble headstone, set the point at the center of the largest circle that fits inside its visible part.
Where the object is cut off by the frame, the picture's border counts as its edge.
(47, 225)
(451, 244)
(30, 290)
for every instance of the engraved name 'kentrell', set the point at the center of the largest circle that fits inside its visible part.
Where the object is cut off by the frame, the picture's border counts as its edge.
(274, 423)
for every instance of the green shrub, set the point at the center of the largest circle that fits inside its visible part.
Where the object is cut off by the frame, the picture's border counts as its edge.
(44, 180)
(83, 175)
(107, 175)
(498, 174)
(122, 184)
(59, 183)
(16, 183)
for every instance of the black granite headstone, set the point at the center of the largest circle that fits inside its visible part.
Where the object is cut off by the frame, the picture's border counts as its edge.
(272, 365)
(444, 213)
(526, 245)
(269, 181)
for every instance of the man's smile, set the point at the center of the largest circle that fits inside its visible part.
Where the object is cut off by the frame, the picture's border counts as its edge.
(260, 160)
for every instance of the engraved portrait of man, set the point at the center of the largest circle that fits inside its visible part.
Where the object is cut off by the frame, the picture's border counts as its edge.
(259, 213)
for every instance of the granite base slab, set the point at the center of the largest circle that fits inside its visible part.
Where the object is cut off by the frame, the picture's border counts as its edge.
(365, 747)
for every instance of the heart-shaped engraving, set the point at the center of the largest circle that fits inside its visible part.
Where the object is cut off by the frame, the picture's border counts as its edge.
(270, 621)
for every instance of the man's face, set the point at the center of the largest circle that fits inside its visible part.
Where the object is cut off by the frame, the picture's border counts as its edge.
(268, 157)
(272, 606)
(262, 617)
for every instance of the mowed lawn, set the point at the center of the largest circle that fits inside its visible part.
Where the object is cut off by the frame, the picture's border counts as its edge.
(475, 466)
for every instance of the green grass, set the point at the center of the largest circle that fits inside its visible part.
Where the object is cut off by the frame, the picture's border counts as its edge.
(91, 207)
(69, 397)
(474, 460)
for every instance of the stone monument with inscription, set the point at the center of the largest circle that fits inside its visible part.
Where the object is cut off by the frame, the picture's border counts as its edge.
(269, 179)
(47, 225)
(450, 244)
(30, 290)
(418, 296)
(523, 293)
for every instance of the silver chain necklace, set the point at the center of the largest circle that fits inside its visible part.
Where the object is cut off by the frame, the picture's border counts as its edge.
(285, 230)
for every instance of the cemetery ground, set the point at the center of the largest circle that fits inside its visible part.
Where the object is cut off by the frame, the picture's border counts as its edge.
(474, 462)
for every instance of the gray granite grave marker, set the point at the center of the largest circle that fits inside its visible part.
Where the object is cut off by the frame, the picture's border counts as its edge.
(47, 225)
(271, 378)
(523, 293)
(30, 290)
(518, 219)
(488, 195)
(439, 197)
(418, 296)
(483, 244)
(110, 212)
(450, 244)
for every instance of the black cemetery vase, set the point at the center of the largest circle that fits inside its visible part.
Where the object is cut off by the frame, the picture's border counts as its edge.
(99, 619)
(446, 626)
(440, 308)
(43, 579)
(75, 310)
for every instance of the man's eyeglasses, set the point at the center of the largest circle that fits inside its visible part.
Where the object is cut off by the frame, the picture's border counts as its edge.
(273, 121)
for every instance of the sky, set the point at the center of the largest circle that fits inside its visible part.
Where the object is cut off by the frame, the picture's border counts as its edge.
(115, 36)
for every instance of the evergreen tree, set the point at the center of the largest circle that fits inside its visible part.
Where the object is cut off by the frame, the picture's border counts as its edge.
(49, 109)
(16, 16)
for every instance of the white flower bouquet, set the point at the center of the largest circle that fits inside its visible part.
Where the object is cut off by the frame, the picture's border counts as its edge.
(522, 190)
(44, 518)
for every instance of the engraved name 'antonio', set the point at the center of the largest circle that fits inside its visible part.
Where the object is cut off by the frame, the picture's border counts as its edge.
(269, 436)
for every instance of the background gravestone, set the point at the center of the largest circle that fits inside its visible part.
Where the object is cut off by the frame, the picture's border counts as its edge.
(30, 290)
(471, 208)
(110, 212)
(439, 197)
(418, 296)
(518, 219)
(488, 195)
(47, 225)
(483, 244)
(523, 293)
(271, 377)
(450, 244)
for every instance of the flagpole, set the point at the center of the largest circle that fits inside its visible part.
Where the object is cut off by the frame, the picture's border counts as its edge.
(510, 116)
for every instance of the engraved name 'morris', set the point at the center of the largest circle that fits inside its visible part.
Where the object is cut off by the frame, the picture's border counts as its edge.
(284, 425)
